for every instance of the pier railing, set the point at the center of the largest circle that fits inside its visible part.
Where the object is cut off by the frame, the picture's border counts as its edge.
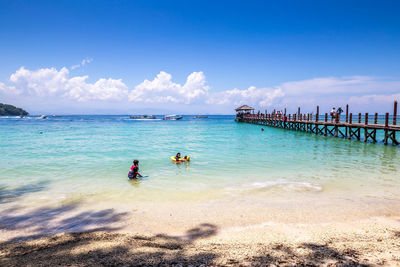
(364, 127)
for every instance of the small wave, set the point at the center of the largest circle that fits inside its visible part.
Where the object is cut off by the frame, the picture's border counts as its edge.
(10, 117)
(281, 185)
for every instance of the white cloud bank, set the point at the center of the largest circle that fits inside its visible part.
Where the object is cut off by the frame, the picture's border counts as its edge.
(50, 84)
(163, 90)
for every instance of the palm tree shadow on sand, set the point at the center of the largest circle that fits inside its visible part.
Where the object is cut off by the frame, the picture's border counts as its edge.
(44, 221)
(102, 248)
(13, 194)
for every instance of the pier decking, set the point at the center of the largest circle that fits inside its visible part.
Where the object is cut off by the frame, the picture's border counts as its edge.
(356, 127)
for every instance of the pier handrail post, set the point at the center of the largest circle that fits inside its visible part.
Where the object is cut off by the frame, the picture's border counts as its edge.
(347, 112)
(359, 117)
(317, 116)
(366, 118)
(351, 118)
(386, 119)
(376, 118)
(326, 117)
(285, 111)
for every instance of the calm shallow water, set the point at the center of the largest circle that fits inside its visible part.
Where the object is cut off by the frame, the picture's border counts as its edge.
(68, 159)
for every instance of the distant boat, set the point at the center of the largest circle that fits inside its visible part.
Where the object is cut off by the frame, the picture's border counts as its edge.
(43, 117)
(152, 117)
(142, 117)
(201, 117)
(173, 117)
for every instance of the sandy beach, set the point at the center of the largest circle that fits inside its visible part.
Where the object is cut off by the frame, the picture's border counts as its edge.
(370, 242)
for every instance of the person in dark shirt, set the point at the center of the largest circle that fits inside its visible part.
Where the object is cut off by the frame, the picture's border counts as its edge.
(134, 172)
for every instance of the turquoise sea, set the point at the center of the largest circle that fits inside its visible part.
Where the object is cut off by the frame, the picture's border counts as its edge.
(61, 160)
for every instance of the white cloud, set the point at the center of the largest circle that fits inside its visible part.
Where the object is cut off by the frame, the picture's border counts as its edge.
(163, 90)
(52, 82)
(374, 99)
(83, 63)
(41, 82)
(343, 85)
(260, 97)
(335, 91)
(103, 89)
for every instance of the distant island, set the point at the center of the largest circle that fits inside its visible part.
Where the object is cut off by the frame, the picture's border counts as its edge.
(10, 110)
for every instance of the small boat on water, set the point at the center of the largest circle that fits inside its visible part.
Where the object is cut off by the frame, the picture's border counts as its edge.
(43, 117)
(142, 117)
(172, 117)
(200, 116)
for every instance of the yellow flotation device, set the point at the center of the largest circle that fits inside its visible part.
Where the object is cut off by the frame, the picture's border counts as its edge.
(183, 159)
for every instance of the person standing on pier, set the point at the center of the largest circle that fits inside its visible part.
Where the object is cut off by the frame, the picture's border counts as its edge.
(333, 114)
(338, 113)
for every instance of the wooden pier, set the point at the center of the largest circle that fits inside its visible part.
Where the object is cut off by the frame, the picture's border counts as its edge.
(355, 127)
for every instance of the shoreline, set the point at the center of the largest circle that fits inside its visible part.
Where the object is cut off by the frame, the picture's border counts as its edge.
(369, 242)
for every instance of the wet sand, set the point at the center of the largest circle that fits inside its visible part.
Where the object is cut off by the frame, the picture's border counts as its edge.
(374, 241)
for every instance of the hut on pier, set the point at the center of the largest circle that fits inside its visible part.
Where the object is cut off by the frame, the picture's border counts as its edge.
(242, 110)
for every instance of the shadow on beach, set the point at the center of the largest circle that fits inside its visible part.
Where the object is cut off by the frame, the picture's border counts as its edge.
(116, 249)
(9, 195)
(105, 249)
(46, 221)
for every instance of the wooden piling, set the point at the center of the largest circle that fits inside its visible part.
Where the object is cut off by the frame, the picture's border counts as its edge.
(347, 120)
(394, 119)
(385, 140)
(365, 128)
(350, 122)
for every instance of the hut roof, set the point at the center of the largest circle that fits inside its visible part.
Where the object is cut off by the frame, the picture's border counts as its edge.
(244, 107)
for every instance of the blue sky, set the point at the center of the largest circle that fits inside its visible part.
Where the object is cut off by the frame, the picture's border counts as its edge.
(265, 53)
